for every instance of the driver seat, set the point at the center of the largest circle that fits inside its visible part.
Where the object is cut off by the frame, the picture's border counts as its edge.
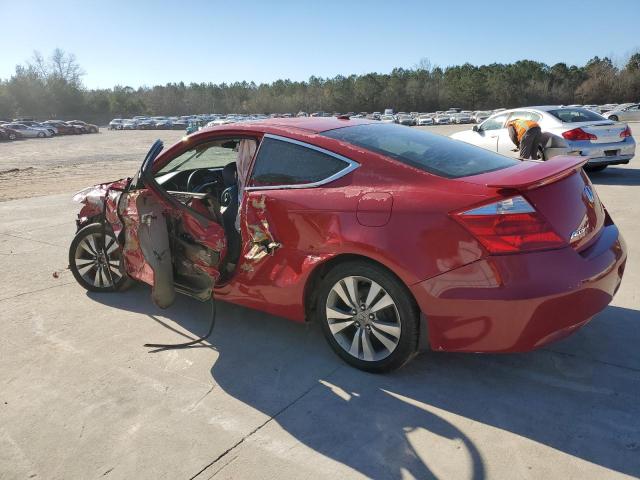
(230, 204)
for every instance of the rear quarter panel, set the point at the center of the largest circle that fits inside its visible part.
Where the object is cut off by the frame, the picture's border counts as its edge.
(314, 225)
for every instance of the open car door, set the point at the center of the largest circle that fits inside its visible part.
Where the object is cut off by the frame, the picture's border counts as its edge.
(171, 240)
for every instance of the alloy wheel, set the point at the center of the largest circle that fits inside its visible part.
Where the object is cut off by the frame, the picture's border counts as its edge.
(363, 318)
(98, 263)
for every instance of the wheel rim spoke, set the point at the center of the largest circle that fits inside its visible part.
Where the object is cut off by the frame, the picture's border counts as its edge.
(390, 328)
(84, 269)
(367, 348)
(352, 287)
(111, 246)
(344, 295)
(335, 314)
(98, 278)
(91, 241)
(384, 302)
(374, 290)
(115, 272)
(388, 344)
(355, 345)
(337, 327)
(88, 247)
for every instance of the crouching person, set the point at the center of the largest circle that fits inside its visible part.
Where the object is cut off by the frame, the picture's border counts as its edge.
(527, 137)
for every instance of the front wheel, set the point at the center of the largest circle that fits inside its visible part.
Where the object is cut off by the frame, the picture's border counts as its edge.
(368, 317)
(613, 118)
(41, 134)
(96, 264)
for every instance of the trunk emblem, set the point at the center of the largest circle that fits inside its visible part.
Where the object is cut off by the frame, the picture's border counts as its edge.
(588, 193)
(578, 234)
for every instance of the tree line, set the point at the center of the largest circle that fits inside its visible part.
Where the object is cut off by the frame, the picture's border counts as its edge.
(53, 88)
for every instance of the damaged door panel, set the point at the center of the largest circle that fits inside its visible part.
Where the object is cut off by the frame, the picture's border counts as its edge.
(272, 272)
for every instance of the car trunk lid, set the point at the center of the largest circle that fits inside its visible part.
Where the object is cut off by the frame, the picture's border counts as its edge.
(559, 190)
(605, 131)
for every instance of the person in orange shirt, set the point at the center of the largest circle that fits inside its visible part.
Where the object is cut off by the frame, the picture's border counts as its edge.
(527, 136)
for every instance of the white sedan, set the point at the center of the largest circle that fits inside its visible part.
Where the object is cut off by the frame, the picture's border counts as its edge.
(567, 131)
(629, 112)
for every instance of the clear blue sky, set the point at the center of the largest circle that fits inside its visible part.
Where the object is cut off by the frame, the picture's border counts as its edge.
(153, 42)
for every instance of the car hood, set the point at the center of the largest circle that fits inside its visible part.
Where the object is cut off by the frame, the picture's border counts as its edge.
(94, 195)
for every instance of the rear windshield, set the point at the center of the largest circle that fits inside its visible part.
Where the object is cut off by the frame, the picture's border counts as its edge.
(573, 115)
(427, 151)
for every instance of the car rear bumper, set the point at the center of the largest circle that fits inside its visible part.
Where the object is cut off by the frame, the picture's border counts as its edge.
(598, 153)
(514, 303)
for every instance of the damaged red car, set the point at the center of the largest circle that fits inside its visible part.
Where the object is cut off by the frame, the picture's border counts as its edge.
(390, 237)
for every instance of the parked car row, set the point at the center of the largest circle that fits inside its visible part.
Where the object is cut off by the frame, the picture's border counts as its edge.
(192, 123)
(28, 128)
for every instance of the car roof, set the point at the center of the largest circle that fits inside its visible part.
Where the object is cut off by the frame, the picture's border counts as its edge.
(303, 124)
(544, 108)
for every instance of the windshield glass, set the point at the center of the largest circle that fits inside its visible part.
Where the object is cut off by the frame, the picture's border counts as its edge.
(573, 115)
(429, 152)
(207, 155)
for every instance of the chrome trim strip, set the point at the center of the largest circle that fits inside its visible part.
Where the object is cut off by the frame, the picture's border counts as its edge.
(351, 165)
(187, 194)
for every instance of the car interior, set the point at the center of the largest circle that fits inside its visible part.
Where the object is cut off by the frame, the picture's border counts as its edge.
(205, 180)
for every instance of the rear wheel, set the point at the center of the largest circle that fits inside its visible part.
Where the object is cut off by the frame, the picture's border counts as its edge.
(41, 134)
(97, 265)
(613, 118)
(368, 317)
(12, 136)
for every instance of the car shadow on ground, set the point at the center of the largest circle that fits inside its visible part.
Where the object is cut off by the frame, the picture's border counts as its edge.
(421, 418)
(616, 176)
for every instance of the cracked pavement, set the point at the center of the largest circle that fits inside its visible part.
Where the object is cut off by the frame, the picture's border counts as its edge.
(80, 397)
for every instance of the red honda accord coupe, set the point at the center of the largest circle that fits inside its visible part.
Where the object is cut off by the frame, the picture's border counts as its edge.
(389, 236)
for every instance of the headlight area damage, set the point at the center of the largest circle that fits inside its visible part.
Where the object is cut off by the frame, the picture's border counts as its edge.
(93, 201)
(134, 235)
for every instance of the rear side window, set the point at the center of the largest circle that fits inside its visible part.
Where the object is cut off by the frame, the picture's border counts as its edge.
(427, 151)
(284, 163)
(525, 116)
(572, 115)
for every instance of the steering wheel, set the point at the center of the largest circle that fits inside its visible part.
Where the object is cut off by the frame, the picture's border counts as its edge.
(190, 179)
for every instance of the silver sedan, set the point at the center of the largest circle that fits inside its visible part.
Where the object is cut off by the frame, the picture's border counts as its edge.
(567, 131)
(27, 131)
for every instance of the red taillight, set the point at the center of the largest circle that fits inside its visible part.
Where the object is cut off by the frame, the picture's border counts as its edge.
(578, 134)
(510, 226)
(625, 133)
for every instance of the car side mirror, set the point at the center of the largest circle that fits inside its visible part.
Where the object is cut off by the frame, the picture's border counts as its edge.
(476, 128)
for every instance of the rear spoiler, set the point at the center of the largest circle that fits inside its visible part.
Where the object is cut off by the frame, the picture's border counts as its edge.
(530, 174)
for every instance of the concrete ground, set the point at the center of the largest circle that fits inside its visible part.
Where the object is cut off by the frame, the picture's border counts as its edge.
(80, 397)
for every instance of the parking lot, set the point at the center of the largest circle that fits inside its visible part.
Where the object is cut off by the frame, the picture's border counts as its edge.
(80, 397)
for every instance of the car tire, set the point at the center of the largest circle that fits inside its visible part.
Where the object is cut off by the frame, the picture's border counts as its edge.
(388, 336)
(12, 136)
(83, 255)
(613, 118)
(41, 135)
